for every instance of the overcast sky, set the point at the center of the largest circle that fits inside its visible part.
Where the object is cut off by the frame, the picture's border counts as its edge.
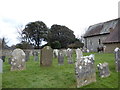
(77, 15)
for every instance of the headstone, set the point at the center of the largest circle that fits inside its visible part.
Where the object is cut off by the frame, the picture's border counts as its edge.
(64, 52)
(1, 62)
(36, 58)
(69, 56)
(31, 53)
(3, 58)
(55, 53)
(46, 56)
(85, 71)
(9, 60)
(103, 70)
(60, 57)
(18, 60)
(26, 55)
(117, 59)
(79, 54)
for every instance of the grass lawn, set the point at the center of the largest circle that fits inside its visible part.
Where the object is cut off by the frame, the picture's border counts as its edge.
(56, 76)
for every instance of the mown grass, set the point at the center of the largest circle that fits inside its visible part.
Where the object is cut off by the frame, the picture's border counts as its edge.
(56, 76)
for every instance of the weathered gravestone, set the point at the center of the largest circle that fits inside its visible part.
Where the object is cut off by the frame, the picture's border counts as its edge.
(85, 71)
(18, 60)
(60, 57)
(1, 62)
(46, 56)
(117, 59)
(103, 70)
(9, 60)
(36, 58)
(26, 55)
(55, 53)
(79, 54)
(69, 56)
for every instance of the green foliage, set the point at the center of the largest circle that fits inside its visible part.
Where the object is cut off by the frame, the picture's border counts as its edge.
(56, 45)
(24, 45)
(35, 32)
(63, 34)
(57, 76)
(77, 44)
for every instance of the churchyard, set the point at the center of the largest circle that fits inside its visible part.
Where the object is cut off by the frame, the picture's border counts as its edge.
(40, 74)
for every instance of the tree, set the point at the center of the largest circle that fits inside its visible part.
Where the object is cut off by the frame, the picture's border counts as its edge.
(77, 44)
(61, 34)
(24, 45)
(35, 33)
(4, 43)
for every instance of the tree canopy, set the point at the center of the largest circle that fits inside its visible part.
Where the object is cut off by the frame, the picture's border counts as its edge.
(35, 33)
(62, 34)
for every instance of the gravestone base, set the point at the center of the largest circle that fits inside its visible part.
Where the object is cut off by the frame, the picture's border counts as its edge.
(70, 61)
(86, 80)
(19, 68)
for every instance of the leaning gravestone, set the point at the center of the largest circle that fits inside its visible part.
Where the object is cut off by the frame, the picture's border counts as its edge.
(79, 54)
(36, 56)
(85, 71)
(1, 62)
(46, 56)
(18, 60)
(69, 56)
(103, 70)
(60, 57)
(117, 59)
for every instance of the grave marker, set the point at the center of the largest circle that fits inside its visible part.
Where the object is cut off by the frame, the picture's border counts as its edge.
(85, 71)
(46, 56)
(103, 70)
(60, 57)
(18, 60)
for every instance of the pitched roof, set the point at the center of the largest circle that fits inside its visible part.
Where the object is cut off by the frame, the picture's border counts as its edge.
(101, 28)
(114, 36)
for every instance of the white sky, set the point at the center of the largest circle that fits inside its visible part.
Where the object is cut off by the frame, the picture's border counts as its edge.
(77, 15)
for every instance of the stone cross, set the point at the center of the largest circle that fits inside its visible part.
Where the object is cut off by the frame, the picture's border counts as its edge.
(46, 56)
(60, 57)
(85, 71)
(1, 62)
(103, 70)
(18, 60)
(69, 55)
(79, 54)
(117, 59)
